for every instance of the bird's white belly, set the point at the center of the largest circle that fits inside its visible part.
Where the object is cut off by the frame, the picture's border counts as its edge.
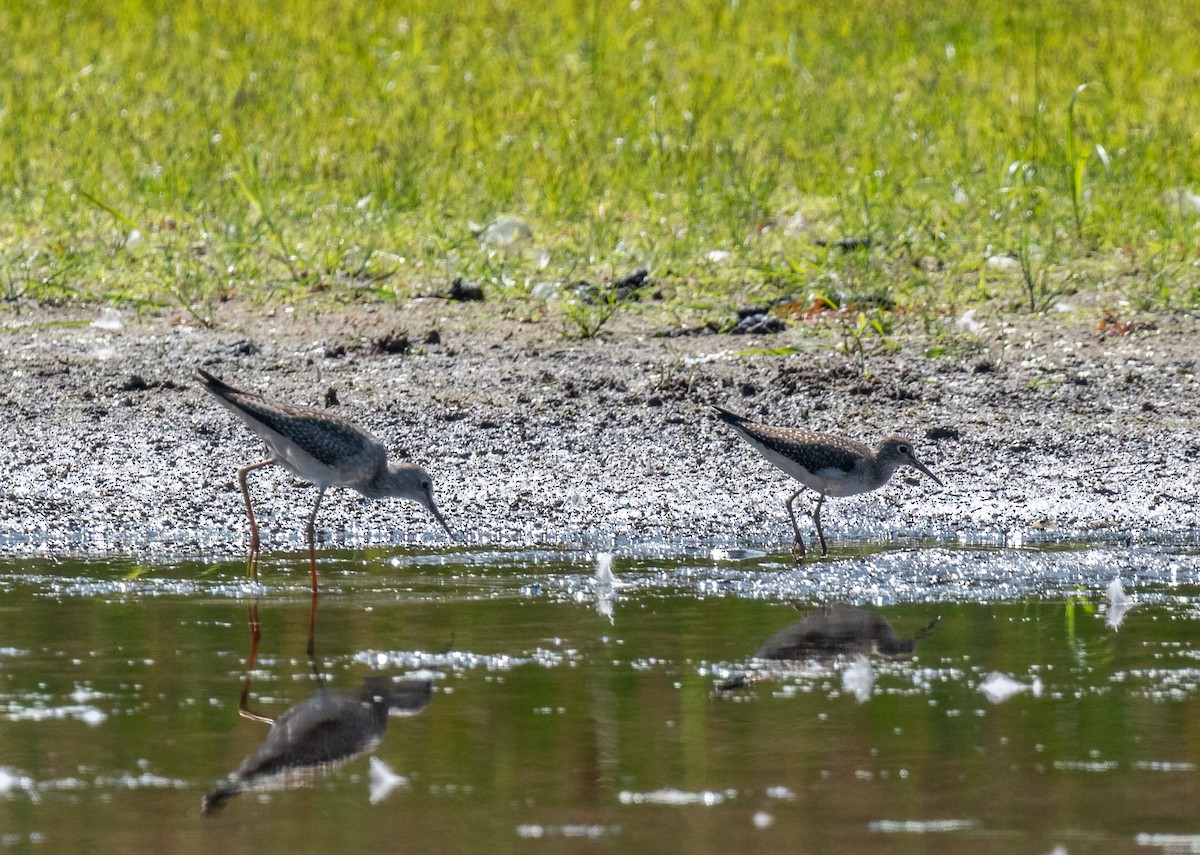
(830, 482)
(297, 461)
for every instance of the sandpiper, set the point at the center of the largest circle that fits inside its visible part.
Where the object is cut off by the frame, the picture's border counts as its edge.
(323, 448)
(830, 465)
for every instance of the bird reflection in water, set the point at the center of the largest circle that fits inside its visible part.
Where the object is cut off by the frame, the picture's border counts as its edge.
(830, 632)
(319, 734)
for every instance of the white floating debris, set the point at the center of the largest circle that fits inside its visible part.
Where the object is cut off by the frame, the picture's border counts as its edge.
(968, 324)
(383, 780)
(718, 256)
(1096, 766)
(1163, 766)
(1119, 604)
(134, 239)
(505, 230)
(921, 826)
(533, 831)
(82, 695)
(1170, 842)
(1182, 200)
(606, 585)
(998, 687)
(671, 796)
(109, 320)
(1003, 262)
(92, 717)
(721, 554)
(604, 572)
(762, 819)
(859, 678)
(144, 781)
(10, 780)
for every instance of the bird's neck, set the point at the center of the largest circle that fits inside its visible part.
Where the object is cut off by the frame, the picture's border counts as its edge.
(375, 487)
(882, 470)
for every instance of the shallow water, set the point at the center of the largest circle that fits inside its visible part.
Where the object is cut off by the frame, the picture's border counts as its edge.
(575, 704)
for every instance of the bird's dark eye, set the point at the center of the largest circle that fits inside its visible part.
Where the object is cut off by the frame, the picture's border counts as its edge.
(904, 449)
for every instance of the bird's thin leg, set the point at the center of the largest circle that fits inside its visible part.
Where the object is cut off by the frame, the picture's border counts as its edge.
(798, 542)
(254, 543)
(312, 549)
(816, 515)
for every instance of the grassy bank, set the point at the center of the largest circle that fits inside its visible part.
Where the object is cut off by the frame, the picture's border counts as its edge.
(186, 153)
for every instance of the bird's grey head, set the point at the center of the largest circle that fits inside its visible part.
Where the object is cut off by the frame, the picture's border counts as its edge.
(896, 451)
(408, 481)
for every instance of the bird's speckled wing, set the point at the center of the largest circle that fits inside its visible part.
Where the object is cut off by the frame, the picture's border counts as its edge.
(325, 730)
(811, 450)
(831, 631)
(326, 438)
(815, 452)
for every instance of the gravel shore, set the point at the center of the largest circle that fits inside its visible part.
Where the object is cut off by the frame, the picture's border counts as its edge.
(1045, 428)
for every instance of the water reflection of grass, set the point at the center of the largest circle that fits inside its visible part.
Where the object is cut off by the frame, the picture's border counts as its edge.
(274, 151)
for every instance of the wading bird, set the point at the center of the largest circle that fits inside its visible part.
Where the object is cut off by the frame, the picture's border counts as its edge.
(322, 448)
(830, 465)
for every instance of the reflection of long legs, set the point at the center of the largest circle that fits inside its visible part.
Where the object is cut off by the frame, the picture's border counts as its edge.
(798, 542)
(251, 664)
(312, 635)
(254, 542)
(921, 633)
(312, 550)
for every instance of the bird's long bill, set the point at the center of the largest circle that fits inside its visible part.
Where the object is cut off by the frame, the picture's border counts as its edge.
(434, 510)
(921, 467)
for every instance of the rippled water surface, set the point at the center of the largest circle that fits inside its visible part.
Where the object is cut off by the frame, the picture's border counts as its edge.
(935, 699)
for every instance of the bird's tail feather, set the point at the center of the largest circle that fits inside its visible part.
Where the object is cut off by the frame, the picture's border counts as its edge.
(213, 383)
(728, 417)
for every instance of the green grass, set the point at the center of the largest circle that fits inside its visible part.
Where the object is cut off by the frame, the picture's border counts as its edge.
(272, 151)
